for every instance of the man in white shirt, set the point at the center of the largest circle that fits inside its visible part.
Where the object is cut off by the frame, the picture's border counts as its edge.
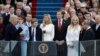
(96, 28)
(35, 35)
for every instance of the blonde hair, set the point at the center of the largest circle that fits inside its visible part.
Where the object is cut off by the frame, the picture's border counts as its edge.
(72, 12)
(72, 26)
(13, 17)
(49, 17)
(47, 22)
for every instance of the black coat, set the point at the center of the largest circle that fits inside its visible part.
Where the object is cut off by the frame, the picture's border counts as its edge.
(97, 32)
(88, 35)
(6, 19)
(60, 35)
(67, 22)
(11, 33)
(38, 34)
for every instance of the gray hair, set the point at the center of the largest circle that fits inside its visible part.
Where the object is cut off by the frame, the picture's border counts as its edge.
(86, 22)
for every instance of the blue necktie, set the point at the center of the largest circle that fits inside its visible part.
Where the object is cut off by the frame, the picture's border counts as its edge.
(33, 35)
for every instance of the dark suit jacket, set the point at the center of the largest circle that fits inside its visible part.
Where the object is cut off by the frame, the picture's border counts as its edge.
(11, 33)
(67, 22)
(60, 35)
(5, 21)
(91, 23)
(38, 34)
(88, 35)
(6, 18)
(97, 32)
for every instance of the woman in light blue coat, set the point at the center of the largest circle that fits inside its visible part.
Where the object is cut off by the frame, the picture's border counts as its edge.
(24, 36)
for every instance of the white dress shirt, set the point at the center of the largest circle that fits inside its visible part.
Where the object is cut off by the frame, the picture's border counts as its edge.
(60, 21)
(97, 26)
(34, 33)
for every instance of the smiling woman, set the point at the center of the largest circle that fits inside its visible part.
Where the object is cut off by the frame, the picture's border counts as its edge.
(72, 36)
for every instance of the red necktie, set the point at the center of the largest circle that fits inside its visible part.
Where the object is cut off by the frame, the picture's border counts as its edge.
(59, 25)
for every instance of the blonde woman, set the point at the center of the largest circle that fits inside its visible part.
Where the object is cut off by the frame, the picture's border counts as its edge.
(47, 28)
(72, 36)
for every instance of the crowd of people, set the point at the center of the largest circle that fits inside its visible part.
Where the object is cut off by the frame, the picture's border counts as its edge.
(77, 21)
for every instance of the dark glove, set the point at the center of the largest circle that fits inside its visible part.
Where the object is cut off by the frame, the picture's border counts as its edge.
(44, 31)
(20, 29)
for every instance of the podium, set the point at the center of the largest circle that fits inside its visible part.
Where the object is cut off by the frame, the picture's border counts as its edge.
(43, 49)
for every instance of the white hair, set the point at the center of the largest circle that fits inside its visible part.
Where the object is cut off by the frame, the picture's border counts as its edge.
(83, 4)
(13, 17)
(27, 7)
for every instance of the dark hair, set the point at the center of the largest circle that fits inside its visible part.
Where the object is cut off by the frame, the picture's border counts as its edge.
(87, 13)
(22, 17)
(59, 11)
(34, 20)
